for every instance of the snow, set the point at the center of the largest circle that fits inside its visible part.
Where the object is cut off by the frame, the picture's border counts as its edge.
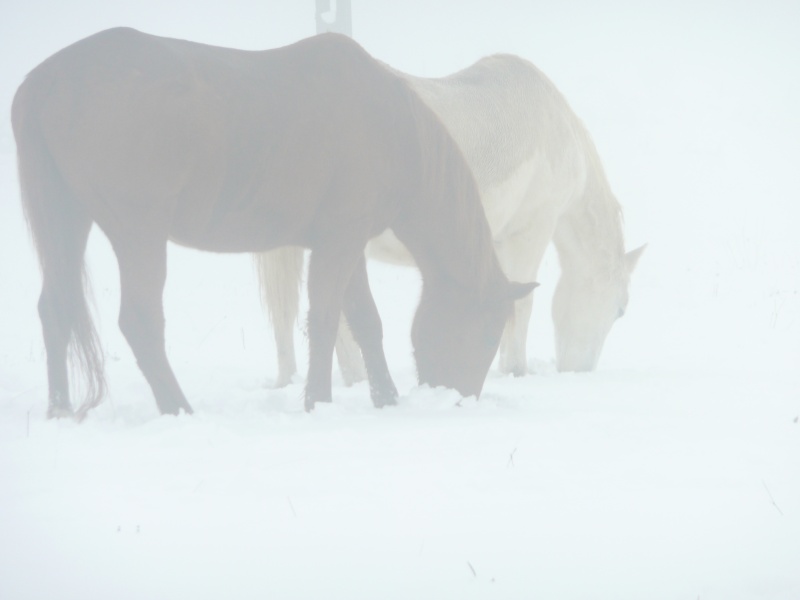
(671, 472)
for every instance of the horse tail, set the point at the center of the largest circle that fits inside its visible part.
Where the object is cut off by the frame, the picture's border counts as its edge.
(279, 277)
(59, 227)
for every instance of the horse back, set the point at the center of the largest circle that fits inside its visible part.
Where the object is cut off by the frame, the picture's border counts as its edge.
(222, 149)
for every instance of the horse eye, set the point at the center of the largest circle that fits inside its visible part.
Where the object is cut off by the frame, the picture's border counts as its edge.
(621, 312)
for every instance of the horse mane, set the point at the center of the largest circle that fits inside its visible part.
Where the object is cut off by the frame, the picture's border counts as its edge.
(527, 114)
(599, 207)
(593, 214)
(458, 240)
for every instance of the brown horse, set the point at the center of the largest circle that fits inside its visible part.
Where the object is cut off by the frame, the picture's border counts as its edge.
(316, 145)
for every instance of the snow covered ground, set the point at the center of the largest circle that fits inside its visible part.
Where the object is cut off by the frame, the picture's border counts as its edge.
(672, 472)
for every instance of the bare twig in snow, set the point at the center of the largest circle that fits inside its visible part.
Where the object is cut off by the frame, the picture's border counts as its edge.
(294, 512)
(471, 568)
(210, 331)
(510, 462)
(778, 508)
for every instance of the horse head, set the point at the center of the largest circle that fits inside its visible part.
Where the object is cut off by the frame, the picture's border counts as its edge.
(585, 307)
(456, 334)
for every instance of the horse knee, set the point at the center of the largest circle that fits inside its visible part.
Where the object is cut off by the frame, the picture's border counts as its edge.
(365, 327)
(142, 327)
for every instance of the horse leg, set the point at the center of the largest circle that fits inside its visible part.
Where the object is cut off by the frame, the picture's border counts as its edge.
(329, 272)
(280, 273)
(284, 342)
(520, 256)
(365, 324)
(513, 346)
(143, 272)
(348, 354)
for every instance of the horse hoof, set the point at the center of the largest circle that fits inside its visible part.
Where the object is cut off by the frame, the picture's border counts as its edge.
(311, 402)
(515, 370)
(60, 412)
(282, 382)
(175, 408)
(387, 400)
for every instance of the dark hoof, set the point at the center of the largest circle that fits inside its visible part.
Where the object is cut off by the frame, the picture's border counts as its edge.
(381, 402)
(282, 382)
(311, 402)
(175, 408)
(60, 411)
(59, 406)
(385, 398)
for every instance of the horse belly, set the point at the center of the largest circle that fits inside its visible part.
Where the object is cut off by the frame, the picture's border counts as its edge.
(253, 204)
(255, 230)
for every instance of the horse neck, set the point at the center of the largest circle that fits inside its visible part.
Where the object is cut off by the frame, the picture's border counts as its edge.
(589, 238)
(444, 227)
(452, 244)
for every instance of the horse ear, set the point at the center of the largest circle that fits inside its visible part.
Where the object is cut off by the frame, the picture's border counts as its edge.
(632, 257)
(517, 291)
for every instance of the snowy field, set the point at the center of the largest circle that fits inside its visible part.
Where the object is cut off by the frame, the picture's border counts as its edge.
(673, 472)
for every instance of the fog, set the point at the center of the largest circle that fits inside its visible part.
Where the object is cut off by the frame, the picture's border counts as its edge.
(670, 472)
(691, 105)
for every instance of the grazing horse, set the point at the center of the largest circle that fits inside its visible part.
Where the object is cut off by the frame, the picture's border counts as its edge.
(316, 144)
(540, 180)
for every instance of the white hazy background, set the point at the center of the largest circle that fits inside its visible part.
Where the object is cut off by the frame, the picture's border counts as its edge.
(671, 472)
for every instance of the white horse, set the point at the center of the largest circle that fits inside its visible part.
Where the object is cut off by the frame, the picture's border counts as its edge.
(540, 180)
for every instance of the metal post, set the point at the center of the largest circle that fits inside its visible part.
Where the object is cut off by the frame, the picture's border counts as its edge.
(338, 19)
